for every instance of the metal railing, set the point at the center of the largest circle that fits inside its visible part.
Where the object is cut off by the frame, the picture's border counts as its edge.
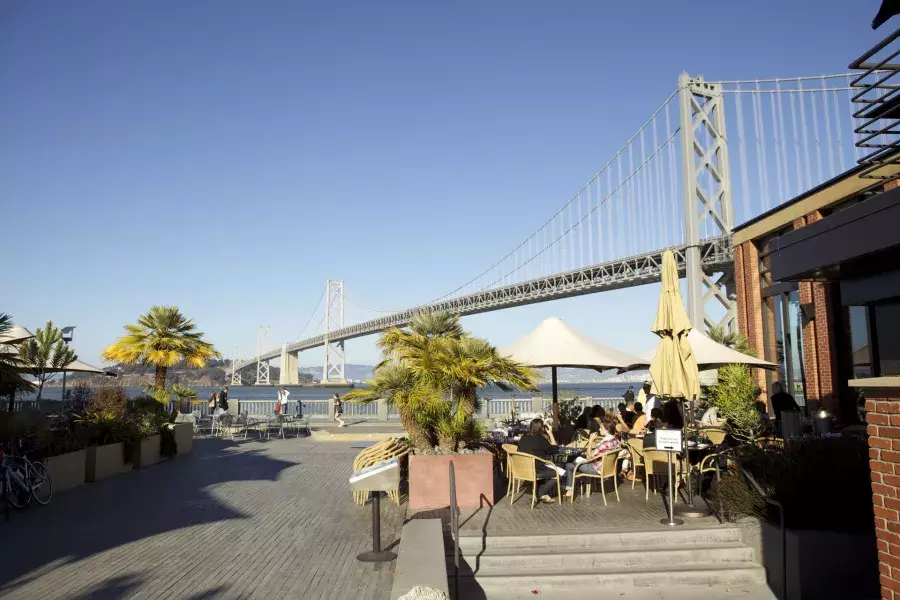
(454, 530)
(759, 490)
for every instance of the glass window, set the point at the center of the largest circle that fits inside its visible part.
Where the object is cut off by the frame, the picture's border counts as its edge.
(794, 348)
(860, 344)
(887, 335)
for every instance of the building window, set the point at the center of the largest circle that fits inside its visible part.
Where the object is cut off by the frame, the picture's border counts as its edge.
(783, 333)
(885, 323)
(875, 339)
(860, 343)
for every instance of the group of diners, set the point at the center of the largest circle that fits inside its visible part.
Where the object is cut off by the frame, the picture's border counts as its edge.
(610, 430)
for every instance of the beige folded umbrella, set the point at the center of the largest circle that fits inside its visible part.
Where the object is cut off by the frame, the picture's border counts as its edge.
(554, 344)
(674, 367)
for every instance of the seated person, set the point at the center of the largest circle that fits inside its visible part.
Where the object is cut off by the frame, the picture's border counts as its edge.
(671, 415)
(597, 417)
(637, 427)
(584, 418)
(655, 422)
(608, 442)
(535, 443)
(626, 414)
(711, 418)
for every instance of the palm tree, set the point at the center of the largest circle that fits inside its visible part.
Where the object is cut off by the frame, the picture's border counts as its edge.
(45, 354)
(431, 373)
(732, 339)
(162, 338)
(11, 367)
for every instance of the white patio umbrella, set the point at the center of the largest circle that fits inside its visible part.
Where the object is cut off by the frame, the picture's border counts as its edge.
(711, 354)
(15, 334)
(77, 366)
(554, 344)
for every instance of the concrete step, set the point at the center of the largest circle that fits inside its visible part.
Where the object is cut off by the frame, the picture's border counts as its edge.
(610, 539)
(503, 586)
(744, 591)
(525, 561)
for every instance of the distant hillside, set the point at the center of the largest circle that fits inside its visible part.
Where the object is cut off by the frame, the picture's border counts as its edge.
(215, 373)
(354, 372)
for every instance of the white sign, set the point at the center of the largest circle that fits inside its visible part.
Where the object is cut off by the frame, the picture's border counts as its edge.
(668, 440)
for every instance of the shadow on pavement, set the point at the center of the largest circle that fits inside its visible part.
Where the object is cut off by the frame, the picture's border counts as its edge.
(106, 514)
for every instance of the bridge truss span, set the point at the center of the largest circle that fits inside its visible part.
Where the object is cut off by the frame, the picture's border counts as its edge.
(716, 256)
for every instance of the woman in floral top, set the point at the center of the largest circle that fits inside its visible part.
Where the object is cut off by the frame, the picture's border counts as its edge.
(608, 442)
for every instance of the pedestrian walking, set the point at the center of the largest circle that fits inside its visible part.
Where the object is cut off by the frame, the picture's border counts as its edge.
(338, 410)
(223, 399)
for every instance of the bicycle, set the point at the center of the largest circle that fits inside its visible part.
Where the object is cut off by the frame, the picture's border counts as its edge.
(24, 480)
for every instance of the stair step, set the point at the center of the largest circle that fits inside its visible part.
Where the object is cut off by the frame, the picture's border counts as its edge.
(660, 577)
(514, 561)
(743, 591)
(606, 539)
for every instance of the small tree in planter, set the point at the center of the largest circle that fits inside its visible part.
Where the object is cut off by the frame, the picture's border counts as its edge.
(734, 395)
(431, 373)
(45, 354)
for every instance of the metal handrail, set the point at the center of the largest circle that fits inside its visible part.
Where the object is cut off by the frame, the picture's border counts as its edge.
(755, 485)
(454, 530)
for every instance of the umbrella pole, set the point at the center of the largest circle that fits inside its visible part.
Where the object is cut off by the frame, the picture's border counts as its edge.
(555, 405)
(690, 511)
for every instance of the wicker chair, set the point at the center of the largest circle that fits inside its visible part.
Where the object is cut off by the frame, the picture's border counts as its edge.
(508, 449)
(609, 462)
(655, 462)
(716, 435)
(523, 467)
(636, 448)
(382, 451)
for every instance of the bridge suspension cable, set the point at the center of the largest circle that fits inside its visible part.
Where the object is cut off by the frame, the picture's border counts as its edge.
(313, 314)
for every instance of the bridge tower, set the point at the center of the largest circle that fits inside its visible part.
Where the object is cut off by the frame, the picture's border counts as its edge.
(262, 366)
(706, 188)
(333, 368)
(235, 374)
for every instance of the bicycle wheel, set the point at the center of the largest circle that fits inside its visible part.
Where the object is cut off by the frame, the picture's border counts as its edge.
(18, 492)
(41, 488)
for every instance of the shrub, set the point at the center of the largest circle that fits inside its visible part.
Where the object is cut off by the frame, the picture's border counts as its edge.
(108, 400)
(147, 415)
(822, 482)
(734, 395)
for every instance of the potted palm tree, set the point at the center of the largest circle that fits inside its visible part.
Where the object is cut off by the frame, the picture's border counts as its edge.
(431, 374)
(162, 338)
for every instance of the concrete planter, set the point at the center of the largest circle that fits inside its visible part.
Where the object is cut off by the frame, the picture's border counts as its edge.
(429, 480)
(103, 461)
(145, 452)
(66, 471)
(184, 437)
(822, 564)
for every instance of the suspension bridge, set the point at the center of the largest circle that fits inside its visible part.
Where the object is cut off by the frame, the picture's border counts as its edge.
(711, 155)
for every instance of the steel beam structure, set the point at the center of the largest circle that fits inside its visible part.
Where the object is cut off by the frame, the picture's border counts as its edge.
(706, 189)
(716, 256)
(235, 372)
(333, 367)
(262, 364)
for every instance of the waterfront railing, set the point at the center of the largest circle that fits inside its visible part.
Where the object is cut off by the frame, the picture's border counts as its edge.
(494, 408)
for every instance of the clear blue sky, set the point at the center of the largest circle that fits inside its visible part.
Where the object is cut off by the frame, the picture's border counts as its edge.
(229, 157)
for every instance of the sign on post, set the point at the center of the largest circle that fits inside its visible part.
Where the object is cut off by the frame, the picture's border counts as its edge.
(668, 440)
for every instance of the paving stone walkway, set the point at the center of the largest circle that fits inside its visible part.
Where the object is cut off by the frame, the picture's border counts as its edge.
(246, 520)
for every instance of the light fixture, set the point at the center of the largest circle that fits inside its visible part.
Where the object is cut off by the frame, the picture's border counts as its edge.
(68, 333)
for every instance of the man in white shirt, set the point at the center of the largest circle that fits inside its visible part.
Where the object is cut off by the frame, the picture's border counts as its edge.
(283, 400)
(651, 401)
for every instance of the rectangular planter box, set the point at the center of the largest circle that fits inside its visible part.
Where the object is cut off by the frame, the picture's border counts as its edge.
(822, 564)
(429, 480)
(184, 437)
(66, 470)
(104, 461)
(146, 452)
